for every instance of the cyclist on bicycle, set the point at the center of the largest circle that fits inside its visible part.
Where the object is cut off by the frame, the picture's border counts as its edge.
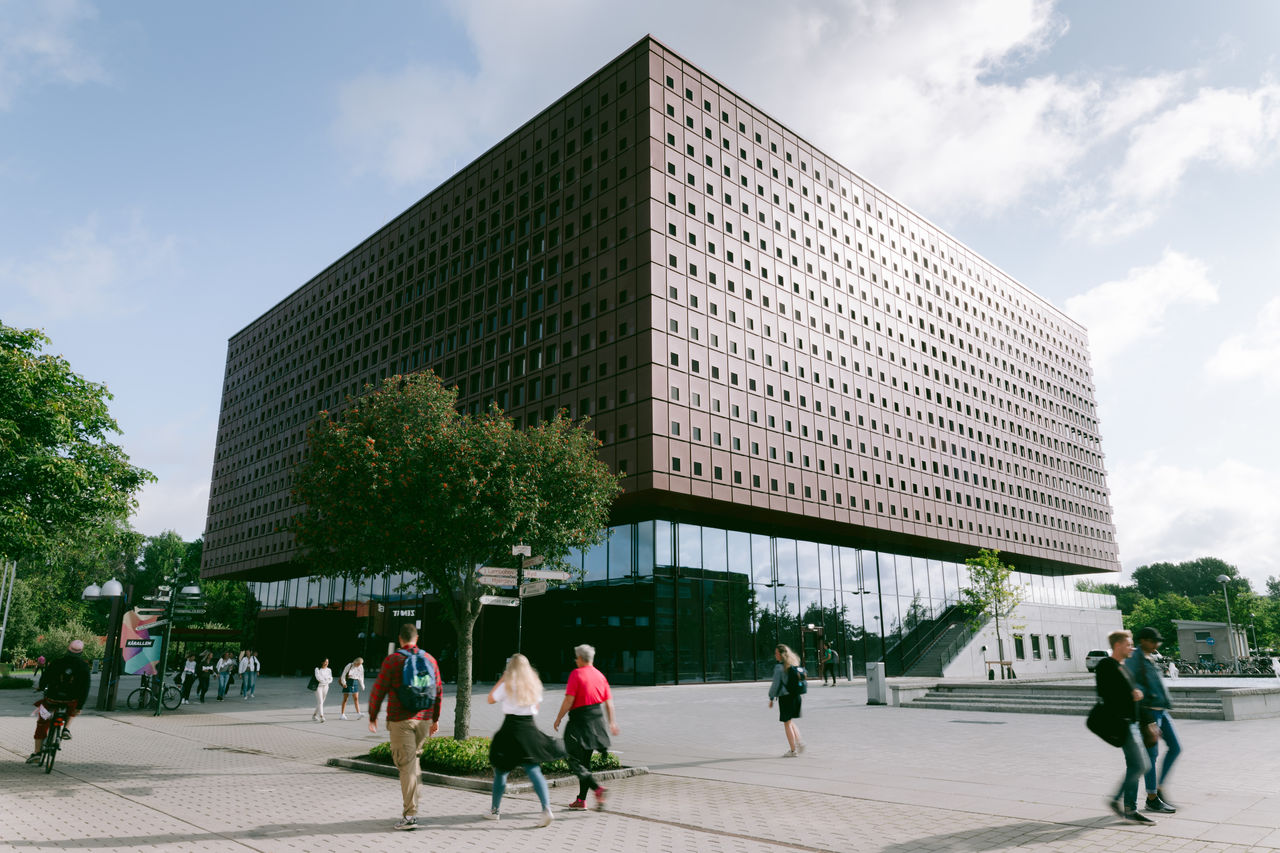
(65, 682)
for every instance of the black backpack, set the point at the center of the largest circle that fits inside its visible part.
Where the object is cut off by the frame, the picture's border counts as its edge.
(61, 680)
(796, 683)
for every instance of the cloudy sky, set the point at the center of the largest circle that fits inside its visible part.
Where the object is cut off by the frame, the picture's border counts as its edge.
(170, 171)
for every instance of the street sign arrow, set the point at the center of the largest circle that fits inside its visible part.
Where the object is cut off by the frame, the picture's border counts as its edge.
(498, 571)
(521, 550)
(547, 575)
(530, 562)
(500, 600)
(487, 580)
(149, 625)
(529, 590)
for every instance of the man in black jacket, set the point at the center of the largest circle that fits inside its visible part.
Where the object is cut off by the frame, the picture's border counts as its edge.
(1119, 699)
(65, 682)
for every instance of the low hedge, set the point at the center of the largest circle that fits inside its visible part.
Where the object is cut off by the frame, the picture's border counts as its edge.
(15, 682)
(470, 757)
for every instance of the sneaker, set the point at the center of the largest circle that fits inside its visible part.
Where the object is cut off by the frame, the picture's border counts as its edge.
(186, 701)
(33, 758)
(66, 733)
(800, 747)
(790, 753)
(407, 823)
(1160, 793)
(543, 820)
(1115, 806)
(491, 814)
(342, 717)
(602, 794)
(1157, 804)
(578, 805)
(1135, 816)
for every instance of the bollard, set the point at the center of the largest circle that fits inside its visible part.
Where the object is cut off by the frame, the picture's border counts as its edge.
(877, 687)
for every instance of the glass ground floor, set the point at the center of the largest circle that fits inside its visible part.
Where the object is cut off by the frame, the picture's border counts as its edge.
(663, 602)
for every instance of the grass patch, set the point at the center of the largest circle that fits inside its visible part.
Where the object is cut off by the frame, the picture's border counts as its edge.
(470, 757)
(15, 682)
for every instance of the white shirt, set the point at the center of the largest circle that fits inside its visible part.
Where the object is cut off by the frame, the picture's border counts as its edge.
(324, 675)
(510, 707)
(355, 673)
(189, 667)
(226, 664)
(249, 664)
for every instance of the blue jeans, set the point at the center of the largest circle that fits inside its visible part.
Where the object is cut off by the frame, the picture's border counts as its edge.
(248, 682)
(223, 678)
(534, 772)
(1172, 750)
(1135, 764)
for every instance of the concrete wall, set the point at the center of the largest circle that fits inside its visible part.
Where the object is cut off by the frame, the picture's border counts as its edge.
(1087, 629)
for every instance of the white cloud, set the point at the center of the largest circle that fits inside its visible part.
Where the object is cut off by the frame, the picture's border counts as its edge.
(1167, 512)
(179, 451)
(1230, 128)
(1119, 314)
(918, 96)
(90, 271)
(1252, 356)
(37, 45)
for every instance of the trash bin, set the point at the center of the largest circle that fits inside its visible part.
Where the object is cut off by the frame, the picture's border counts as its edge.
(877, 687)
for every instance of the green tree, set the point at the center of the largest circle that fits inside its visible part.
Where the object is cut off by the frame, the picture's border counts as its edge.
(402, 482)
(1160, 613)
(1191, 578)
(58, 471)
(991, 591)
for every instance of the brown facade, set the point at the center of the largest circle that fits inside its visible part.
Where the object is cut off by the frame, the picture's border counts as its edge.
(756, 333)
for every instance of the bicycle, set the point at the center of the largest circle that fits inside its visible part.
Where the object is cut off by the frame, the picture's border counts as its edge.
(53, 740)
(149, 694)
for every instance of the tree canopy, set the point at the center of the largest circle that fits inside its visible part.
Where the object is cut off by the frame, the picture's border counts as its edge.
(991, 591)
(404, 483)
(58, 471)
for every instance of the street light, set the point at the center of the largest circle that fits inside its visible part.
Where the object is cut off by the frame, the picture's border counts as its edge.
(1231, 638)
(108, 683)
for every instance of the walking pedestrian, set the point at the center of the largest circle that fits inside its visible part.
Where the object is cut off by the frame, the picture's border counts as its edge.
(518, 741)
(1155, 722)
(784, 688)
(408, 726)
(323, 678)
(188, 677)
(39, 671)
(587, 701)
(250, 666)
(352, 682)
(204, 673)
(224, 668)
(1119, 701)
(831, 663)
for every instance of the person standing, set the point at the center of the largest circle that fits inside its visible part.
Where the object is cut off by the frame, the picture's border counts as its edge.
(352, 682)
(188, 677)
(587, 701)
(224, 668)
(204, 673)
(788, 700)
(63, 682)
(1119, 700)
(39, 673)
(831, 662)
(324, 677)
(407, 727)
(1155, 720)
(249, 668)
(518, 741)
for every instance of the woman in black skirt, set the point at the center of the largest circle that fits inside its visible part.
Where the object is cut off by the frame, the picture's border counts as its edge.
(518, 741)
(788, 705)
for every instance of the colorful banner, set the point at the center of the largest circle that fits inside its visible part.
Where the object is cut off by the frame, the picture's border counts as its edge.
(140, 647)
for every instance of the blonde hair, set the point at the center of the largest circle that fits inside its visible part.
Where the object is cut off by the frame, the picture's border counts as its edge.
(789, 657)
(522, 682)
(1116, 636)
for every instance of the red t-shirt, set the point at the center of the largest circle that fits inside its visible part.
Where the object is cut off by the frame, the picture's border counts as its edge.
(588, 686)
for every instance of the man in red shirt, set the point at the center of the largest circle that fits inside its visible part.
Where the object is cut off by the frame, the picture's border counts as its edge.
(587, 700)
(407, 730)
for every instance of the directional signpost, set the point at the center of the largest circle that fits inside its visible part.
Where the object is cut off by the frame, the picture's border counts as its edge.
(547, 575)
(528, 590)
(500, 600)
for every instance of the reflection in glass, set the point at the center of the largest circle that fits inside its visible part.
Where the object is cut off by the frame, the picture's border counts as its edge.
(621, 540)
(644, 549)
(689, 543)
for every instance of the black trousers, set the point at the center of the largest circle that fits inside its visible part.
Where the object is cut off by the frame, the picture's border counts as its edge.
(580, 764)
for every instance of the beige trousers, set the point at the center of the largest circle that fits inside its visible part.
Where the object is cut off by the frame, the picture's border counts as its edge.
(406, 742)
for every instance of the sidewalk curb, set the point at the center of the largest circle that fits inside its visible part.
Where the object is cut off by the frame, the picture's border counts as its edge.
(485, 785)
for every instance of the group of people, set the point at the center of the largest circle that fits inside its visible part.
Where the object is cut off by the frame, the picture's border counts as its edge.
(588, 704)
(1134, 706)
(198, 671)
(351, 681)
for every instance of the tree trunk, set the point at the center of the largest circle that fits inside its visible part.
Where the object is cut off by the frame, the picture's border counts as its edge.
(462, 701)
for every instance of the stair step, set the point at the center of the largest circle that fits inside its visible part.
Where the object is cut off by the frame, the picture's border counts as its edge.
(926, 703)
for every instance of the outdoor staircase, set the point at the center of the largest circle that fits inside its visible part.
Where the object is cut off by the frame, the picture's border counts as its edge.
(1053, 698)
(938, 654)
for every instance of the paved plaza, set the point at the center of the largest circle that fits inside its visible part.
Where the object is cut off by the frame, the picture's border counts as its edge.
(239, 775)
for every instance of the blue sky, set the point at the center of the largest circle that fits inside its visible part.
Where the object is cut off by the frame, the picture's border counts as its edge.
(170, 171)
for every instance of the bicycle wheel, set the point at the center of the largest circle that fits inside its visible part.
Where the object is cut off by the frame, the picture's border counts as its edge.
(172, 697)
(139, 699)
(51, 743)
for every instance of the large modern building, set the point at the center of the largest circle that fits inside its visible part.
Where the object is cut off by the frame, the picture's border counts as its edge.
(822, 402)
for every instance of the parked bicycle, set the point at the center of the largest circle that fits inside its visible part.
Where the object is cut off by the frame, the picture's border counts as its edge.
(152, 692)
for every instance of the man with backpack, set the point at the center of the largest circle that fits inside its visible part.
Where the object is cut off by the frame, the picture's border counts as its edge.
(410, 682)
(65, 682)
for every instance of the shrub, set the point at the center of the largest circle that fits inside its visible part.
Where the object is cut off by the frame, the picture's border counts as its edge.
(15, 682)
(53, 644)
(471, 757)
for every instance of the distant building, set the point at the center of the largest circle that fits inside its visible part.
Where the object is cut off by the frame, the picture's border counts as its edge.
(823, 403)
(1206, 641)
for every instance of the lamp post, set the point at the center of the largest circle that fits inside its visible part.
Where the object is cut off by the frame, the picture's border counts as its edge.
(107, 684)
(1231, 634)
